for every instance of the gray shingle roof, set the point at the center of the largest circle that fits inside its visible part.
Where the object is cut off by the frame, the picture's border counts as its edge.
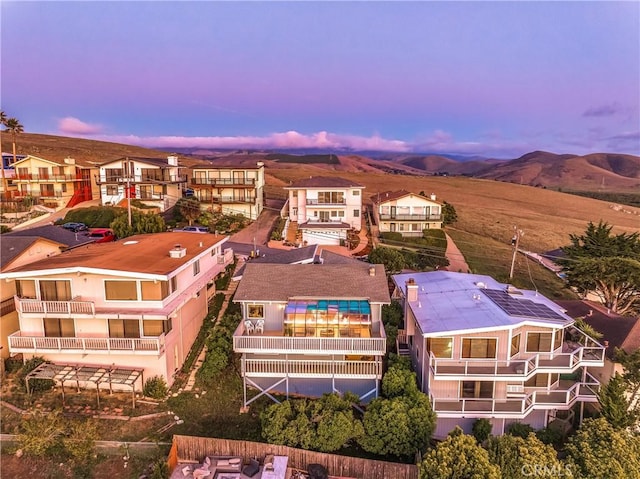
(54, 233)
(280, 282)
(324, 182)
(11, 247)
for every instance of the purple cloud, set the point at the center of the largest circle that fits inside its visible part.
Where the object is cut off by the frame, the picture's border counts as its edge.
(626, 141)
(603, 110)
(73, 126)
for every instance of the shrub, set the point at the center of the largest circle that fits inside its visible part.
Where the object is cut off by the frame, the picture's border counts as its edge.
(41, 434)
(276, 232)
(4, 229)
(95, 216)
(482, 430)
(34, 384)
(155, 387)
(520, 429)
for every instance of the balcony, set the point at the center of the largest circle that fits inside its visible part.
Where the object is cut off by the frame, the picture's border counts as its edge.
(311, 369)
(561, 397)
(136, 179)
(23, 343)
(35, 178)
(316, 202)
(410, 217)
(221, 182)
(55, 309)
(225, 199)
(277, 342)
(573, 357)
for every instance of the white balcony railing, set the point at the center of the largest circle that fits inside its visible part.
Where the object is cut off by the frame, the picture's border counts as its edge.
(55, 308)
(520, 369)
(552, 398)
(312, 368)
(20, 343)
(307, 344)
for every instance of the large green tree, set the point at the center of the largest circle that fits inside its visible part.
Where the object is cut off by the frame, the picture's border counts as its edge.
(631, 374)
(391, 258)
(326, 424)
(458, 457)
(400, 423)
(608, 265)
(140, 223)
(520, 458)
(3, 122)
(600, 450)
(449, 215)
(189, 209)
(616, 404)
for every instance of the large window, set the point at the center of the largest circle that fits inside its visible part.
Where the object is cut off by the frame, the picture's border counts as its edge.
(476, 389)
(51, 290)
(154, 290)
(124, 328)
(59, 327)
(479, 347)
(330, 197)
(112, 190)
(26, 288)
(255, 311)
(515, 345)
(156, 327)
(542, 380)
(120, 290)
(557, 339)
(539, 342)
(440, 347)
(174, 283)
(196, 267)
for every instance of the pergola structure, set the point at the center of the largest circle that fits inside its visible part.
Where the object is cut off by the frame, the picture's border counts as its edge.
(82, 373)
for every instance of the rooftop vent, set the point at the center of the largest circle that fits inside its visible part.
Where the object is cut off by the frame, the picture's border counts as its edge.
(372, 271)
(512, 290)
(260, 164)
(70, 161)
(481, 285)
(178, 251)
(433, 197)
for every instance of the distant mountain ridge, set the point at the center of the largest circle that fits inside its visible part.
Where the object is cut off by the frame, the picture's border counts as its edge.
(595, 171)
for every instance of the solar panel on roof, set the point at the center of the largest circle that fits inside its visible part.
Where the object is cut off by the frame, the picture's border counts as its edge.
(520, 306)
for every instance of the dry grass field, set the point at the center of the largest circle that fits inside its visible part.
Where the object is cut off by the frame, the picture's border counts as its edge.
(491, 208)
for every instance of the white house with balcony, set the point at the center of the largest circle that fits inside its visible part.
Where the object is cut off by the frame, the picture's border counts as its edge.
(228, 187)
(323, 209)
(156, 182)
(135, 303)
(317, 329)
(483, 349)
(406, 213)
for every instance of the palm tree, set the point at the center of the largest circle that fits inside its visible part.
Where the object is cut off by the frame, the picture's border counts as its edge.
(3, 122)
(15, 128)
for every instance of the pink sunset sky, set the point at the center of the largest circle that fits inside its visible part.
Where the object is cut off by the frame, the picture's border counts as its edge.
(478, 78)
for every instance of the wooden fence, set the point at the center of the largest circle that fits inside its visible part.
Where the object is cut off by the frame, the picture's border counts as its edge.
(190, 448)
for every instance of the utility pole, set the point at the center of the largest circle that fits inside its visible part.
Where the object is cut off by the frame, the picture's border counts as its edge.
(515, 241)
(127, 192)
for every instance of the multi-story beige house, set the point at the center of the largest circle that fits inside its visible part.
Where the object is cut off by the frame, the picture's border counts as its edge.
(406, 213)
(55, 184)
(317, 329)
(483, 349)
(323, 209)
(17, 251)
(229, 189)
(135, 303)
(156, 182)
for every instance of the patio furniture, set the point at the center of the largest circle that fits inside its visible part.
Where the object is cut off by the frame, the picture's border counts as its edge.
(251, 469)
(259, 327)
(249, 327)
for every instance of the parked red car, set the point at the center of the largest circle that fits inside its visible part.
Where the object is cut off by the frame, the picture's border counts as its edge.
(102, 235)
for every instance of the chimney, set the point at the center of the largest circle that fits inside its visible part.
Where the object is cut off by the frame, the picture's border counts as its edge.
(260, 164)
(372, 270)
(172, 160)
(412, 290)
(433, 196)
(69, 161)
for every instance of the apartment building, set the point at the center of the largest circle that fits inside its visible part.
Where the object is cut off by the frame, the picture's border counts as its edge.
(483, 349)
(323, 209)
(135, 303)
(155, 182)
(54, 184)
(317, 329)
(406, 213)
(229, 188)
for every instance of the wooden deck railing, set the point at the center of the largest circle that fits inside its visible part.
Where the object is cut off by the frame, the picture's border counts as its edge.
(66, 308)
(312, 368)
(22, 343)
